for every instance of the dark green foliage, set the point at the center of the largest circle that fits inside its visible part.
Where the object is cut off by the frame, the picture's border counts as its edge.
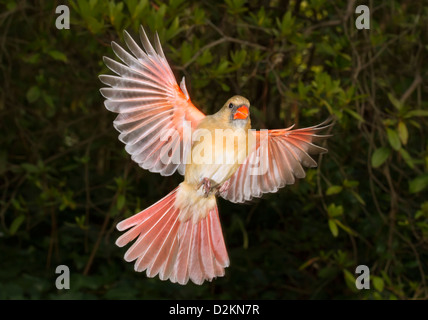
(66, 180)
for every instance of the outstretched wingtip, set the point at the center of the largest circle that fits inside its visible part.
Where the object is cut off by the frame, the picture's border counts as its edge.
(146, 43)
(145, 82)
(327, 123)
(158, 46)
(102, 78)
(330, 121)
(183, 88)
(142, 29)
(127, 37)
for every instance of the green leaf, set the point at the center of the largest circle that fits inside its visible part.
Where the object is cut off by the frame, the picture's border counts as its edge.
(94, 25)
(345, 228)
(32, 59)
(205, 58)
(386, 277)
(358, 197)
(30, 168)
(120, 201)
(393, 138)
(48, 99)
(302, 89)
(418, 184)
(350, 183)
(225, 87)
(114, 211)
(16, 223)
(58, 55)
(333, 190)
(333, 227)
(378, 283)
(222, 67)
(406, 156)
(354, 114)
(238, 57)
(308, 263)
(334, 211)
(80, 221)
(236, 6)
(139, 8)
(286, 24)
(186, 52)
(349, 276)
(349, 279)
(33, 94)
(417, 113)
(395, 102)
(402, 132)
(11, 5)
(379, 156)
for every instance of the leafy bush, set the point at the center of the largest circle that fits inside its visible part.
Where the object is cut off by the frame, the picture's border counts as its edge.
(67, 181)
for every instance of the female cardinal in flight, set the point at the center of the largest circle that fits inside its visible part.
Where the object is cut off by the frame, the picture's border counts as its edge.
(180, 236)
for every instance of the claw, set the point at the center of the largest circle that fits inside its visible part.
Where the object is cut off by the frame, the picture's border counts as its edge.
(206, 186)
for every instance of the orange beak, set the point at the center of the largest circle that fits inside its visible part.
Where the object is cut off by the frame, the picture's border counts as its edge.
(241, 113)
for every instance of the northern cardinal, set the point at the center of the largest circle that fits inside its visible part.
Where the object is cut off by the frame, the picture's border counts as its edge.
(180, 236)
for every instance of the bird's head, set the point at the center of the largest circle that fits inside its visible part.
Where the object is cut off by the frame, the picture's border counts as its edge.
(238, 109)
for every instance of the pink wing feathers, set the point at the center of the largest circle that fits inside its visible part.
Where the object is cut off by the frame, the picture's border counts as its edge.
(153, 110)
(276, 161)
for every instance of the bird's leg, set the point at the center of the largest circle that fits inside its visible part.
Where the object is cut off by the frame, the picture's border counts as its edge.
(206, 186)
(224, 187)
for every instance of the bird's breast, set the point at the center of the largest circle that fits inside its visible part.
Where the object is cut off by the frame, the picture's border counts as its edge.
(216, 153)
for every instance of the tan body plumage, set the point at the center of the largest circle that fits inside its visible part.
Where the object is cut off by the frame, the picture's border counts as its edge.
(233, 146)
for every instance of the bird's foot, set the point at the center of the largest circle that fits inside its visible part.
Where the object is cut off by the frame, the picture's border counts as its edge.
(206, 186)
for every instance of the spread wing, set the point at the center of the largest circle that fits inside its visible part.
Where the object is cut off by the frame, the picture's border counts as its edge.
(154, 112)
(276, 161)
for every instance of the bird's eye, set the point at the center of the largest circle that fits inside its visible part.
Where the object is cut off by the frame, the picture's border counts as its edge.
(231, 105)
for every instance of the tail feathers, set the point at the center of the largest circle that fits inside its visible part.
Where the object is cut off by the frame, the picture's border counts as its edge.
(176, 250)
(145, 214)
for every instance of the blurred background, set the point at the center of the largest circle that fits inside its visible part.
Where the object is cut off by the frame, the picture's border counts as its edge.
(66, 180)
